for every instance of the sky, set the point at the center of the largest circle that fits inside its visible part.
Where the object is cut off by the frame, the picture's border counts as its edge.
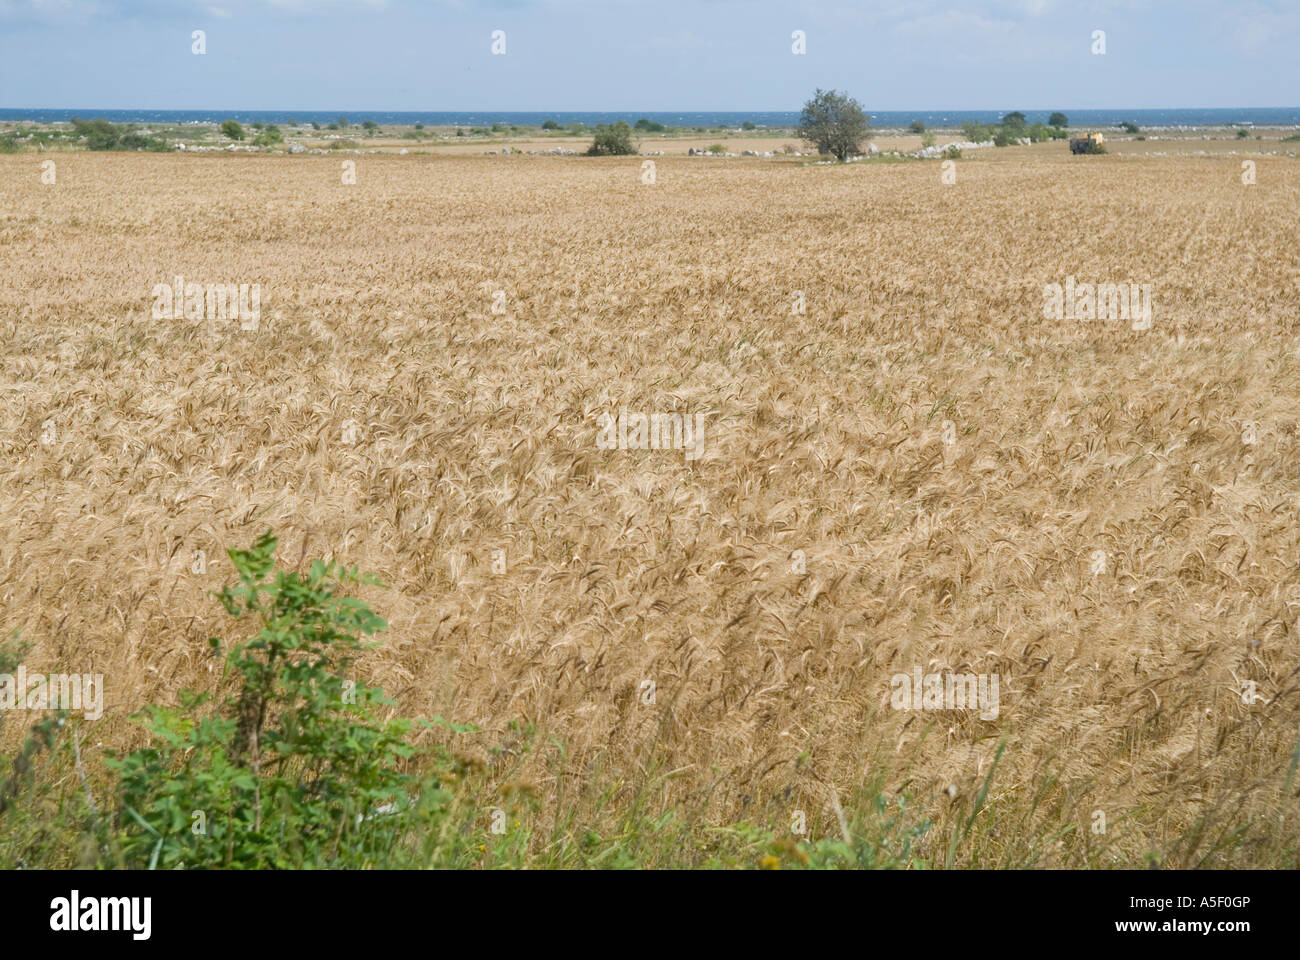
(647, 55)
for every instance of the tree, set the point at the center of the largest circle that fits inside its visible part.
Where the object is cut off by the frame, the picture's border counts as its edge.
(834, 122)
(916, 126)
(370, 126)
(342, 122)
(550, 125)
(1014, 120)
(612, 141)
(232, 130)
(1128, 126)
(1058, 120)
(749, 125)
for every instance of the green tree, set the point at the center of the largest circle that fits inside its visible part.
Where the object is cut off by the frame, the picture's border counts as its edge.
(916, 126)
(232, 130)
(834, 122)
(1128, 126)
(1015, 120)
(342, 122)
(1058, 120)
(550, 125)
(370, 126)
(612, 141)
(749, 125)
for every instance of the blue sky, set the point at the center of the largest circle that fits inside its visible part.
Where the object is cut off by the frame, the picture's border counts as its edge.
(646, 55)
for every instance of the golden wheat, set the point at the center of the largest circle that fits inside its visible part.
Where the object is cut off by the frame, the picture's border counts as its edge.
(394, 411)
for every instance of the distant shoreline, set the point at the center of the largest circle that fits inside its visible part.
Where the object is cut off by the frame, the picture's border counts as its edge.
(1149, 119)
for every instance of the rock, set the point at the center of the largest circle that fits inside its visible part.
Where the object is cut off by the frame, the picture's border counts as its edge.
(297, 148)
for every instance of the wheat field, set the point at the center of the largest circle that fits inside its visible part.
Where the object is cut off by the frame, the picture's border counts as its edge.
(903, 465)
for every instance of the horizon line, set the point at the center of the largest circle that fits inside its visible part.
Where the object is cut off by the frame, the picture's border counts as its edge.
(630, 109)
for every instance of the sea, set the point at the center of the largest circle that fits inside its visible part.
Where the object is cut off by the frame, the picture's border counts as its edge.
(1147, 119)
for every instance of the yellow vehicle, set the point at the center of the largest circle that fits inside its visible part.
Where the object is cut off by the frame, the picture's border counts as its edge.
(1087, 143)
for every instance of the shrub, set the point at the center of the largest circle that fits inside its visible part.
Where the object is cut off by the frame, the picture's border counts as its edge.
(370, 126)
(419, 126)
(550, 125)
(1128, 126)
(1242, 134)
(977, 132)
(297, 769)
(1058, 120)
(102, 135)
(269, 136)
(927, 139)
(717, 149)
(953, 152)
(916, 126)
(232, 130)
(649, 126)
(612, 141)
(8, 143)
(749, 125)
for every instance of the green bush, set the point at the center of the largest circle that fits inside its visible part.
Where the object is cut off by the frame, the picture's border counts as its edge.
(102, 135)
(269, 136)
(717, 149)
(8, 143)
(927, 139)
(1058, 120)
(550, 125)
(1128, 126)
(297, 769)
(747, 125)
(916, 126)
(612, 141)
(232, 130)
(649, 126)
